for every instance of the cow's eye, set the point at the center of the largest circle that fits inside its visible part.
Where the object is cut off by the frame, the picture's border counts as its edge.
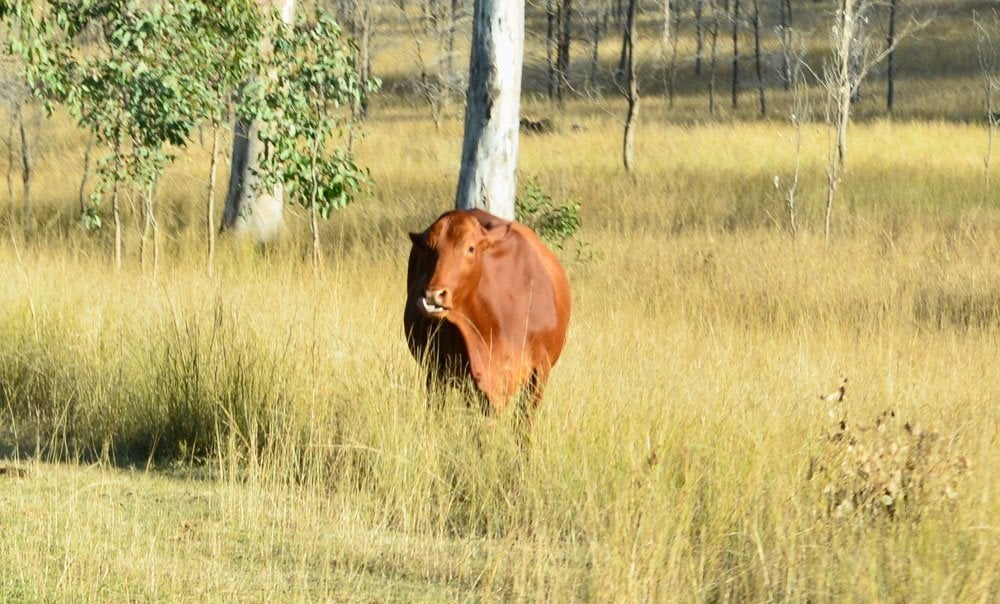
(471, 250)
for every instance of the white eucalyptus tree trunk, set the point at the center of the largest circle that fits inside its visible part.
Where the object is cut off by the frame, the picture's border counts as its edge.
(493, 108)
(250, 212)
(844, 83)
(631, 89)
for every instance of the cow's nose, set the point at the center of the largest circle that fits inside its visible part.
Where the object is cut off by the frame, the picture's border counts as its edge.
(439, 297)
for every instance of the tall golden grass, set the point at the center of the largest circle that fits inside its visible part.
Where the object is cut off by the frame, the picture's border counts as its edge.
(682, 451)
(263, 434)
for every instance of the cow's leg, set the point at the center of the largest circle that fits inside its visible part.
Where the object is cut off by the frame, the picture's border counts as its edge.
(536, 389)
(527, 405)
(489, 393)
(482, 400)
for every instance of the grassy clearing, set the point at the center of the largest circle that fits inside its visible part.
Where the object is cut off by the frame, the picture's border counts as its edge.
(264, 434)
(296, 459)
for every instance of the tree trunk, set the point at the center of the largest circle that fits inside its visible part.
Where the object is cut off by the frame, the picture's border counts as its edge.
(790, 198)
(595, 55)
(632, 89)
(550, 45)
(147, 217)
(784, 34)
(832, 181)
(317, 253)
(86, 175)
(12, 211)
(210, 205)
(150, 230)
(858, 56)
(562, 48)
(493, 103)
(665, 33)
(991, 126)
(844, 90)
(620, 72)
(714, 58)
(248, 211)
(840, 95)
(672, 69)
(757, 58)
(890, 73)
(116, 202)
(364, 37)
(666, 25)
(736, 54)
(25, 175)
(699, 8)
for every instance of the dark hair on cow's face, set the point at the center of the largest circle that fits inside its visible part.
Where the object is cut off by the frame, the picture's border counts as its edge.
(419, 239)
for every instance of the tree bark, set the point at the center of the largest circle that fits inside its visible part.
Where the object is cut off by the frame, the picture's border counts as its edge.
(25, 175)
(672, 83)
(736, 54)
(987, 55)
(150, 229)
(844, 90)
(550, 45)
(595, 55)
(210, 204)
(317, 252)
(666, 25)
(116, 203)
(890, 73)
(840, 94)
(757, 58)
(86, 175)
(631, 90)
(493, 103)
(784, 33)
(12, 211)
(714, 57)
(699, 9)
(365, 24)
(257, 214)
(562, 47)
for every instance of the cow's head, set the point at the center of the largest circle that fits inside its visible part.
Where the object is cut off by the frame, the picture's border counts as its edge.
(452, 252)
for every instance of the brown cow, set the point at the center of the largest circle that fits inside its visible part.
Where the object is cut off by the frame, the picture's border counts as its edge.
(485, 300)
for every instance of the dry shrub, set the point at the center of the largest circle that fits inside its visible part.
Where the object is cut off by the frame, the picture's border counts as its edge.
(888, 469)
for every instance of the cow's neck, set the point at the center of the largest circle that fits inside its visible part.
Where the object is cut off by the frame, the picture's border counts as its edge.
(478, 327)
(478, 323)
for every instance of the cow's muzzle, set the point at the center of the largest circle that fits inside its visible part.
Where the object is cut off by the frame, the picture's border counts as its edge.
(435, 303)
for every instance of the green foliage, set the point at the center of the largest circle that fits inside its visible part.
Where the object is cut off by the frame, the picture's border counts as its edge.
(162, 69)
(91, 219)
(554, 222)
(307, 99)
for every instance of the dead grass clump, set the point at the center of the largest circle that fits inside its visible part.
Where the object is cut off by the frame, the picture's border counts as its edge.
(888, 469)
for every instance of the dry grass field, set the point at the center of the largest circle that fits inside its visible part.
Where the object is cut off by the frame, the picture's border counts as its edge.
(263, 434)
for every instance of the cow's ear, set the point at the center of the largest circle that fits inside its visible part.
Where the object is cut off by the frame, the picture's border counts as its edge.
(418, 239)
(496, 234)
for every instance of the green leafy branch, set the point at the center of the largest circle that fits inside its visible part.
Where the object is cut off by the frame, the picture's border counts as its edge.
(303, 104)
